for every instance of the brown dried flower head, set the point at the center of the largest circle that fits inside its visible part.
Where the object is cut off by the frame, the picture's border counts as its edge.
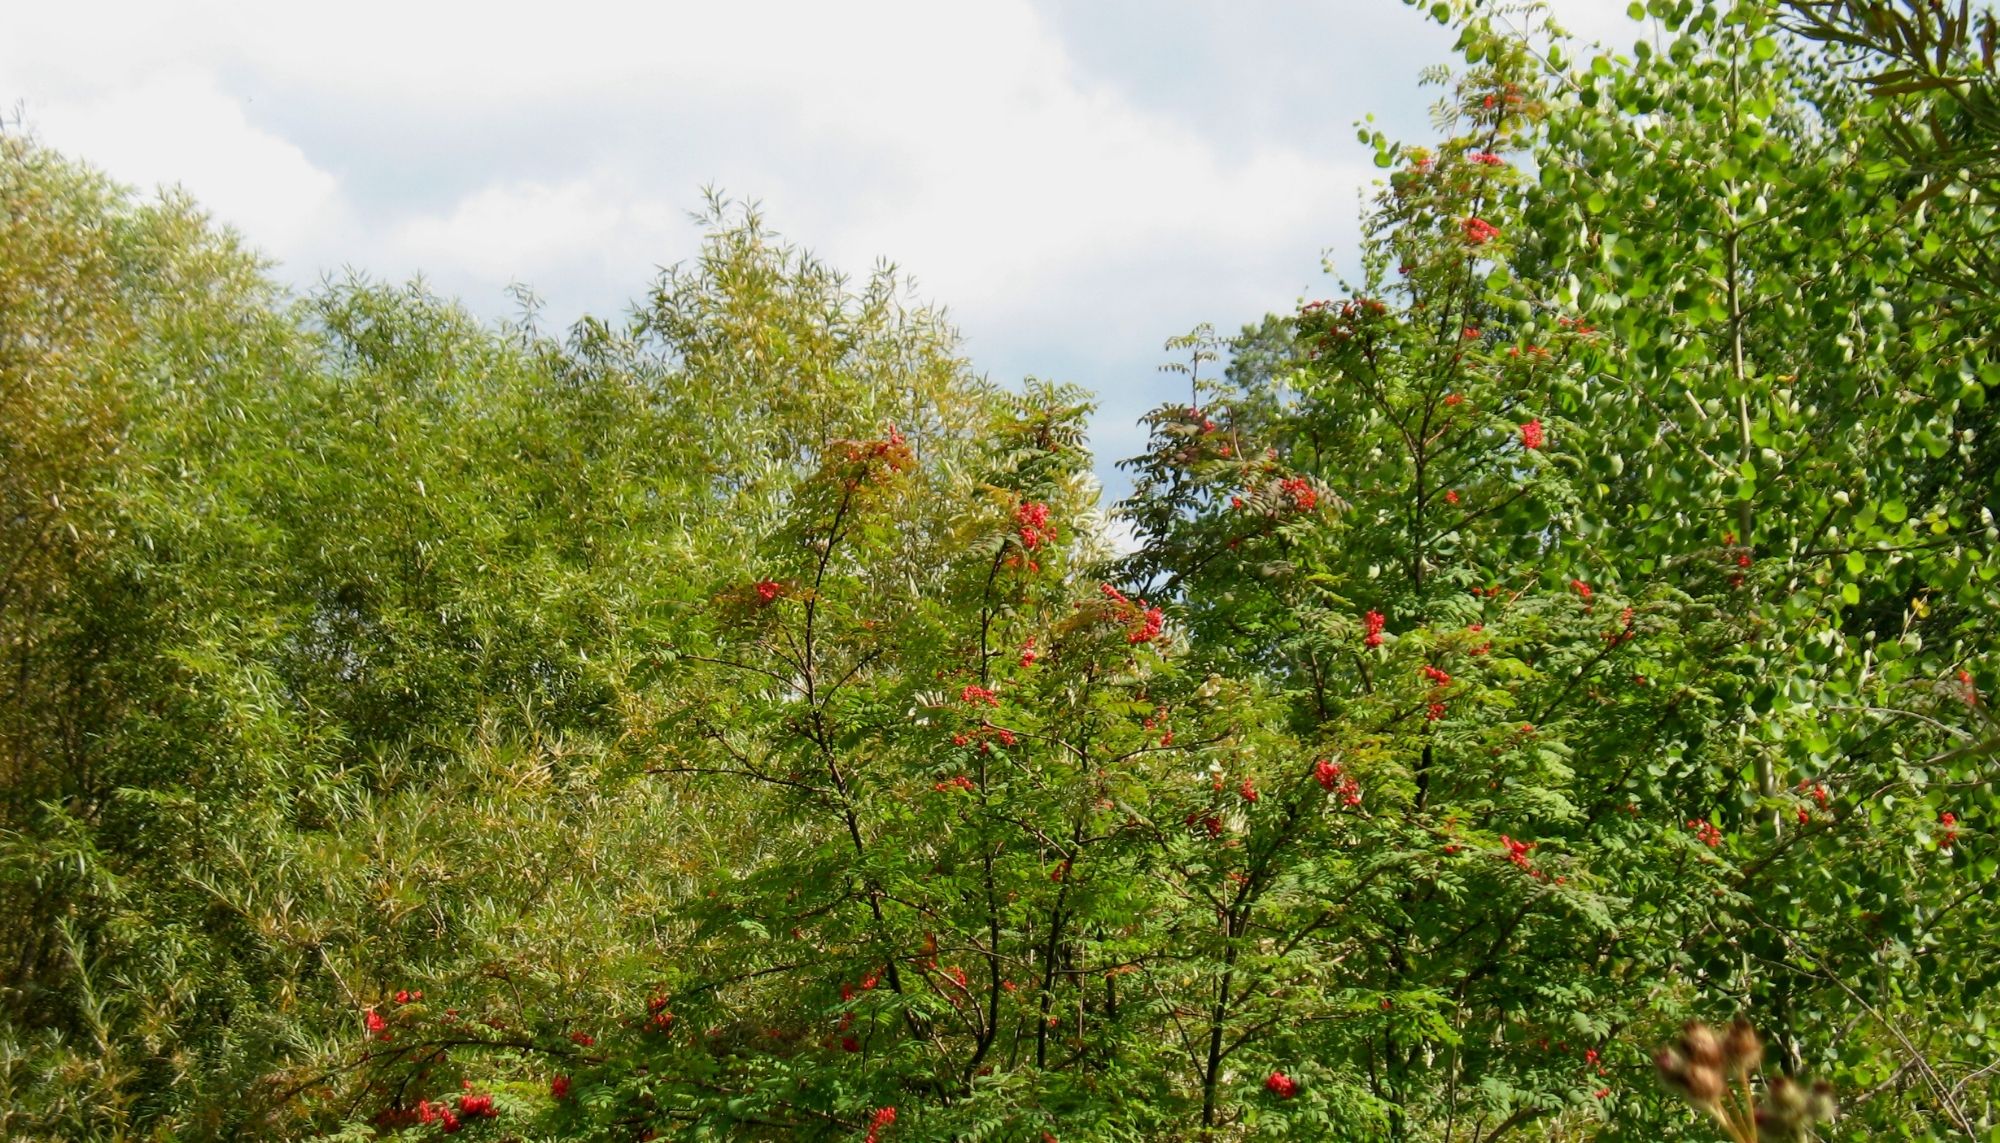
(1742, 1049)
(1672, 1067)
(1704, 1085)
(1823, 1106)
(1700, 1065)
(1700, 1043)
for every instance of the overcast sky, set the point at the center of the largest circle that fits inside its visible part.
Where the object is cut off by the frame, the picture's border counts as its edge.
(1075, 182)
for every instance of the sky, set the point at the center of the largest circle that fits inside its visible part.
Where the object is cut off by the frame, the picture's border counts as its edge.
(1074, 182)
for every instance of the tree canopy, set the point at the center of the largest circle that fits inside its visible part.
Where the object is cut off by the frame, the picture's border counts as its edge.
(732, 720)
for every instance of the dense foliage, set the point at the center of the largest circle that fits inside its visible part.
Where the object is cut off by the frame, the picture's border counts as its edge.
(732, 722)
(1930, 66)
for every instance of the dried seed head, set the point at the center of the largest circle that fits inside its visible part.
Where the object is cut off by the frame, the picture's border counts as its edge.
(1672, 1067)
(1699, 1041)
(1784, 1106)
(1742, 1048)
(1704, 1085)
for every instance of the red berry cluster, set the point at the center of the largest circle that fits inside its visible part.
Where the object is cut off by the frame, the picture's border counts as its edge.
(1438, 679)
(1948, 836)
(658, 1017)
(1374, 622)
(768, 591)
(976, 694)
(1351, 308)
(1158, 721)
(438, 1113)
(960, 782)
(1033, 520)
(1818, 792)
(1706, 831)
(1281, 1085)
(848, 1042)
(1517, 851)
(1478, 231)
(1531, 434)
(1301, 492)
(1148, 628)
(986, 734)
(1336, 322)
(450, 1119)
(1142, 623)
(1333, 781)
(882, 1118)
(869, 461)
(1210, 822)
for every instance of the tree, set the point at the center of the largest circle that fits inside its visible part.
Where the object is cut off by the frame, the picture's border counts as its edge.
(1930, 69)
(1811, 388)
(1672, 304)
(730, 722)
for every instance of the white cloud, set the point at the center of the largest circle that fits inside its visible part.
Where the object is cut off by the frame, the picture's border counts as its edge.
(1069, 215)
(1603, 22)
(176, 126)
(504, 233)
(990, 165)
